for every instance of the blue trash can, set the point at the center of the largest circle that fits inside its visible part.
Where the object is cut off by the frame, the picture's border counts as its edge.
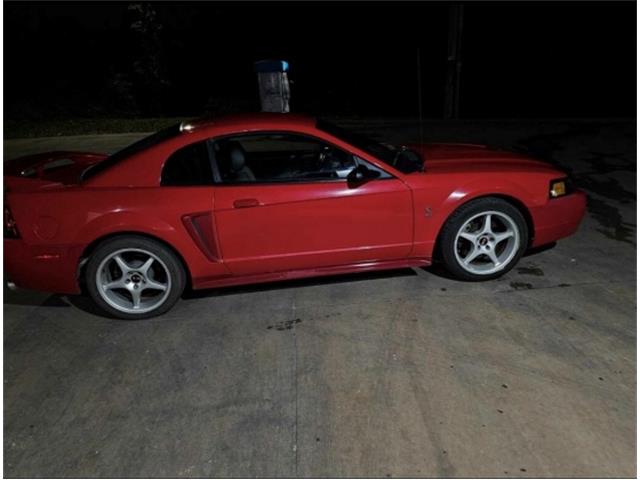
(273, 84)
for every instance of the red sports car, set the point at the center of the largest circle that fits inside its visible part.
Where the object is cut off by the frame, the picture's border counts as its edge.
(263, 197)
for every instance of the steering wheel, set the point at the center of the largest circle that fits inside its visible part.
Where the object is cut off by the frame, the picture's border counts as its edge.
(324, 159)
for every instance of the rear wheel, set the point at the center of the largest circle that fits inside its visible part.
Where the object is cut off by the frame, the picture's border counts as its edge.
(483, 239)
(133, 277)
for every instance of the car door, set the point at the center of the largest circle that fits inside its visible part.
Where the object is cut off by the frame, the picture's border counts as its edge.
(283, 202)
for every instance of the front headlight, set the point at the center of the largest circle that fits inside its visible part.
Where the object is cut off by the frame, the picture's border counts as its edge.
(560, 188)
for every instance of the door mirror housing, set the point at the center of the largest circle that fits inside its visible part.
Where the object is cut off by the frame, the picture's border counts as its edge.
(362, 174)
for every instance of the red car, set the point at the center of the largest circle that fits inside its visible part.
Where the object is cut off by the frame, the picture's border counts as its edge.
(263, 197)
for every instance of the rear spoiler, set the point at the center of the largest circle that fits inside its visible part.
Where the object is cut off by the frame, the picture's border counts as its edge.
(22, 184)
(50, 168)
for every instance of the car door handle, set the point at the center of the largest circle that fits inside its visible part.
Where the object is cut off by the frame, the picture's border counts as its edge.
(246, 203)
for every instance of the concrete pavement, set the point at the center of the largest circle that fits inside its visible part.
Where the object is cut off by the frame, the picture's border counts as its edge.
(394, 374)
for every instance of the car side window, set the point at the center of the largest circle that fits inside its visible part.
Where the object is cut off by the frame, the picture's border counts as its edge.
(279, 157)
(188, 166)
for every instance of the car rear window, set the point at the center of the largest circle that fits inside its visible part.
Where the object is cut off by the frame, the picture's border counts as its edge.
(189, 166)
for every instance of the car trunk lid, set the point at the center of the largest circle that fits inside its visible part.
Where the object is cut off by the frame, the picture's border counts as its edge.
(48, 169)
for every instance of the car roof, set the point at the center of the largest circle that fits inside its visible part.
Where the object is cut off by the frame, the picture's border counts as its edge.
(263, 120)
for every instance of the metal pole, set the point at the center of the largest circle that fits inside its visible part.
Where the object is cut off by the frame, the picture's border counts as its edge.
(420, 97)
(454, 62)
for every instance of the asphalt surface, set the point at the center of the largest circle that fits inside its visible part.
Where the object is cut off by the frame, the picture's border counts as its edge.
(396, 374)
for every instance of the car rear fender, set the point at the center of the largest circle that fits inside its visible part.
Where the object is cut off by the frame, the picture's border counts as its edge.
(122, 223)
(113, 222)
(177, 238)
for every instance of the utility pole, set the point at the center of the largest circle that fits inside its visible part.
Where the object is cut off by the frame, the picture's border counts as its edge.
(454, 62)
(419, 69)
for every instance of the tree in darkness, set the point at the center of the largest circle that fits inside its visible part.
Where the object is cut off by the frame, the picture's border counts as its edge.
(147, 69)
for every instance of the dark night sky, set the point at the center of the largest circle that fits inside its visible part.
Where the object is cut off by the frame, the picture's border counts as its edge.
(541, 59)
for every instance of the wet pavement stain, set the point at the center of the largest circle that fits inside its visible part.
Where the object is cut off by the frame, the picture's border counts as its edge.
(287, 325)
(609, 217)
(548, 147)
(521, 286)
(609, 188)
(545, 146)
(531, 270)
(602, 163)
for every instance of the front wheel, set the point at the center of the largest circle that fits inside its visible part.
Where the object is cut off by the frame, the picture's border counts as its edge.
(133, 277)
(483, 239)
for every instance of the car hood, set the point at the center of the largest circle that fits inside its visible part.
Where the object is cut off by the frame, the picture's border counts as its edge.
(450, 157)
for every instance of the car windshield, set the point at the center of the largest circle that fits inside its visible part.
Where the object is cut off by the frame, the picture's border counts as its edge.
(134, 148)
(376, 149)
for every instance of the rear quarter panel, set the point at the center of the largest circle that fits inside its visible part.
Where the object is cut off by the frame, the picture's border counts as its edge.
(71, 219)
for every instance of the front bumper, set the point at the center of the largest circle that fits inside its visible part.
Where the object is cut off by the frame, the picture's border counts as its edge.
(558, 218)
(45, 268)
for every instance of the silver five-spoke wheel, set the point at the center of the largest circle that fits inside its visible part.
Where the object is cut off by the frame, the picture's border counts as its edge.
(483, 239)
(486, 242)
(133, 280)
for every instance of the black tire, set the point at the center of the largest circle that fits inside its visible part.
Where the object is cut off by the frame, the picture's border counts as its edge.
(173, 265)
(447, 239)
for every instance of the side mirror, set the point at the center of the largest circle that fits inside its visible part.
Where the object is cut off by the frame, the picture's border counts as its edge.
(361, 174)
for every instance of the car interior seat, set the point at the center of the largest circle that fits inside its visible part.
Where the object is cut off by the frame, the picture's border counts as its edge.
(234, 166)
